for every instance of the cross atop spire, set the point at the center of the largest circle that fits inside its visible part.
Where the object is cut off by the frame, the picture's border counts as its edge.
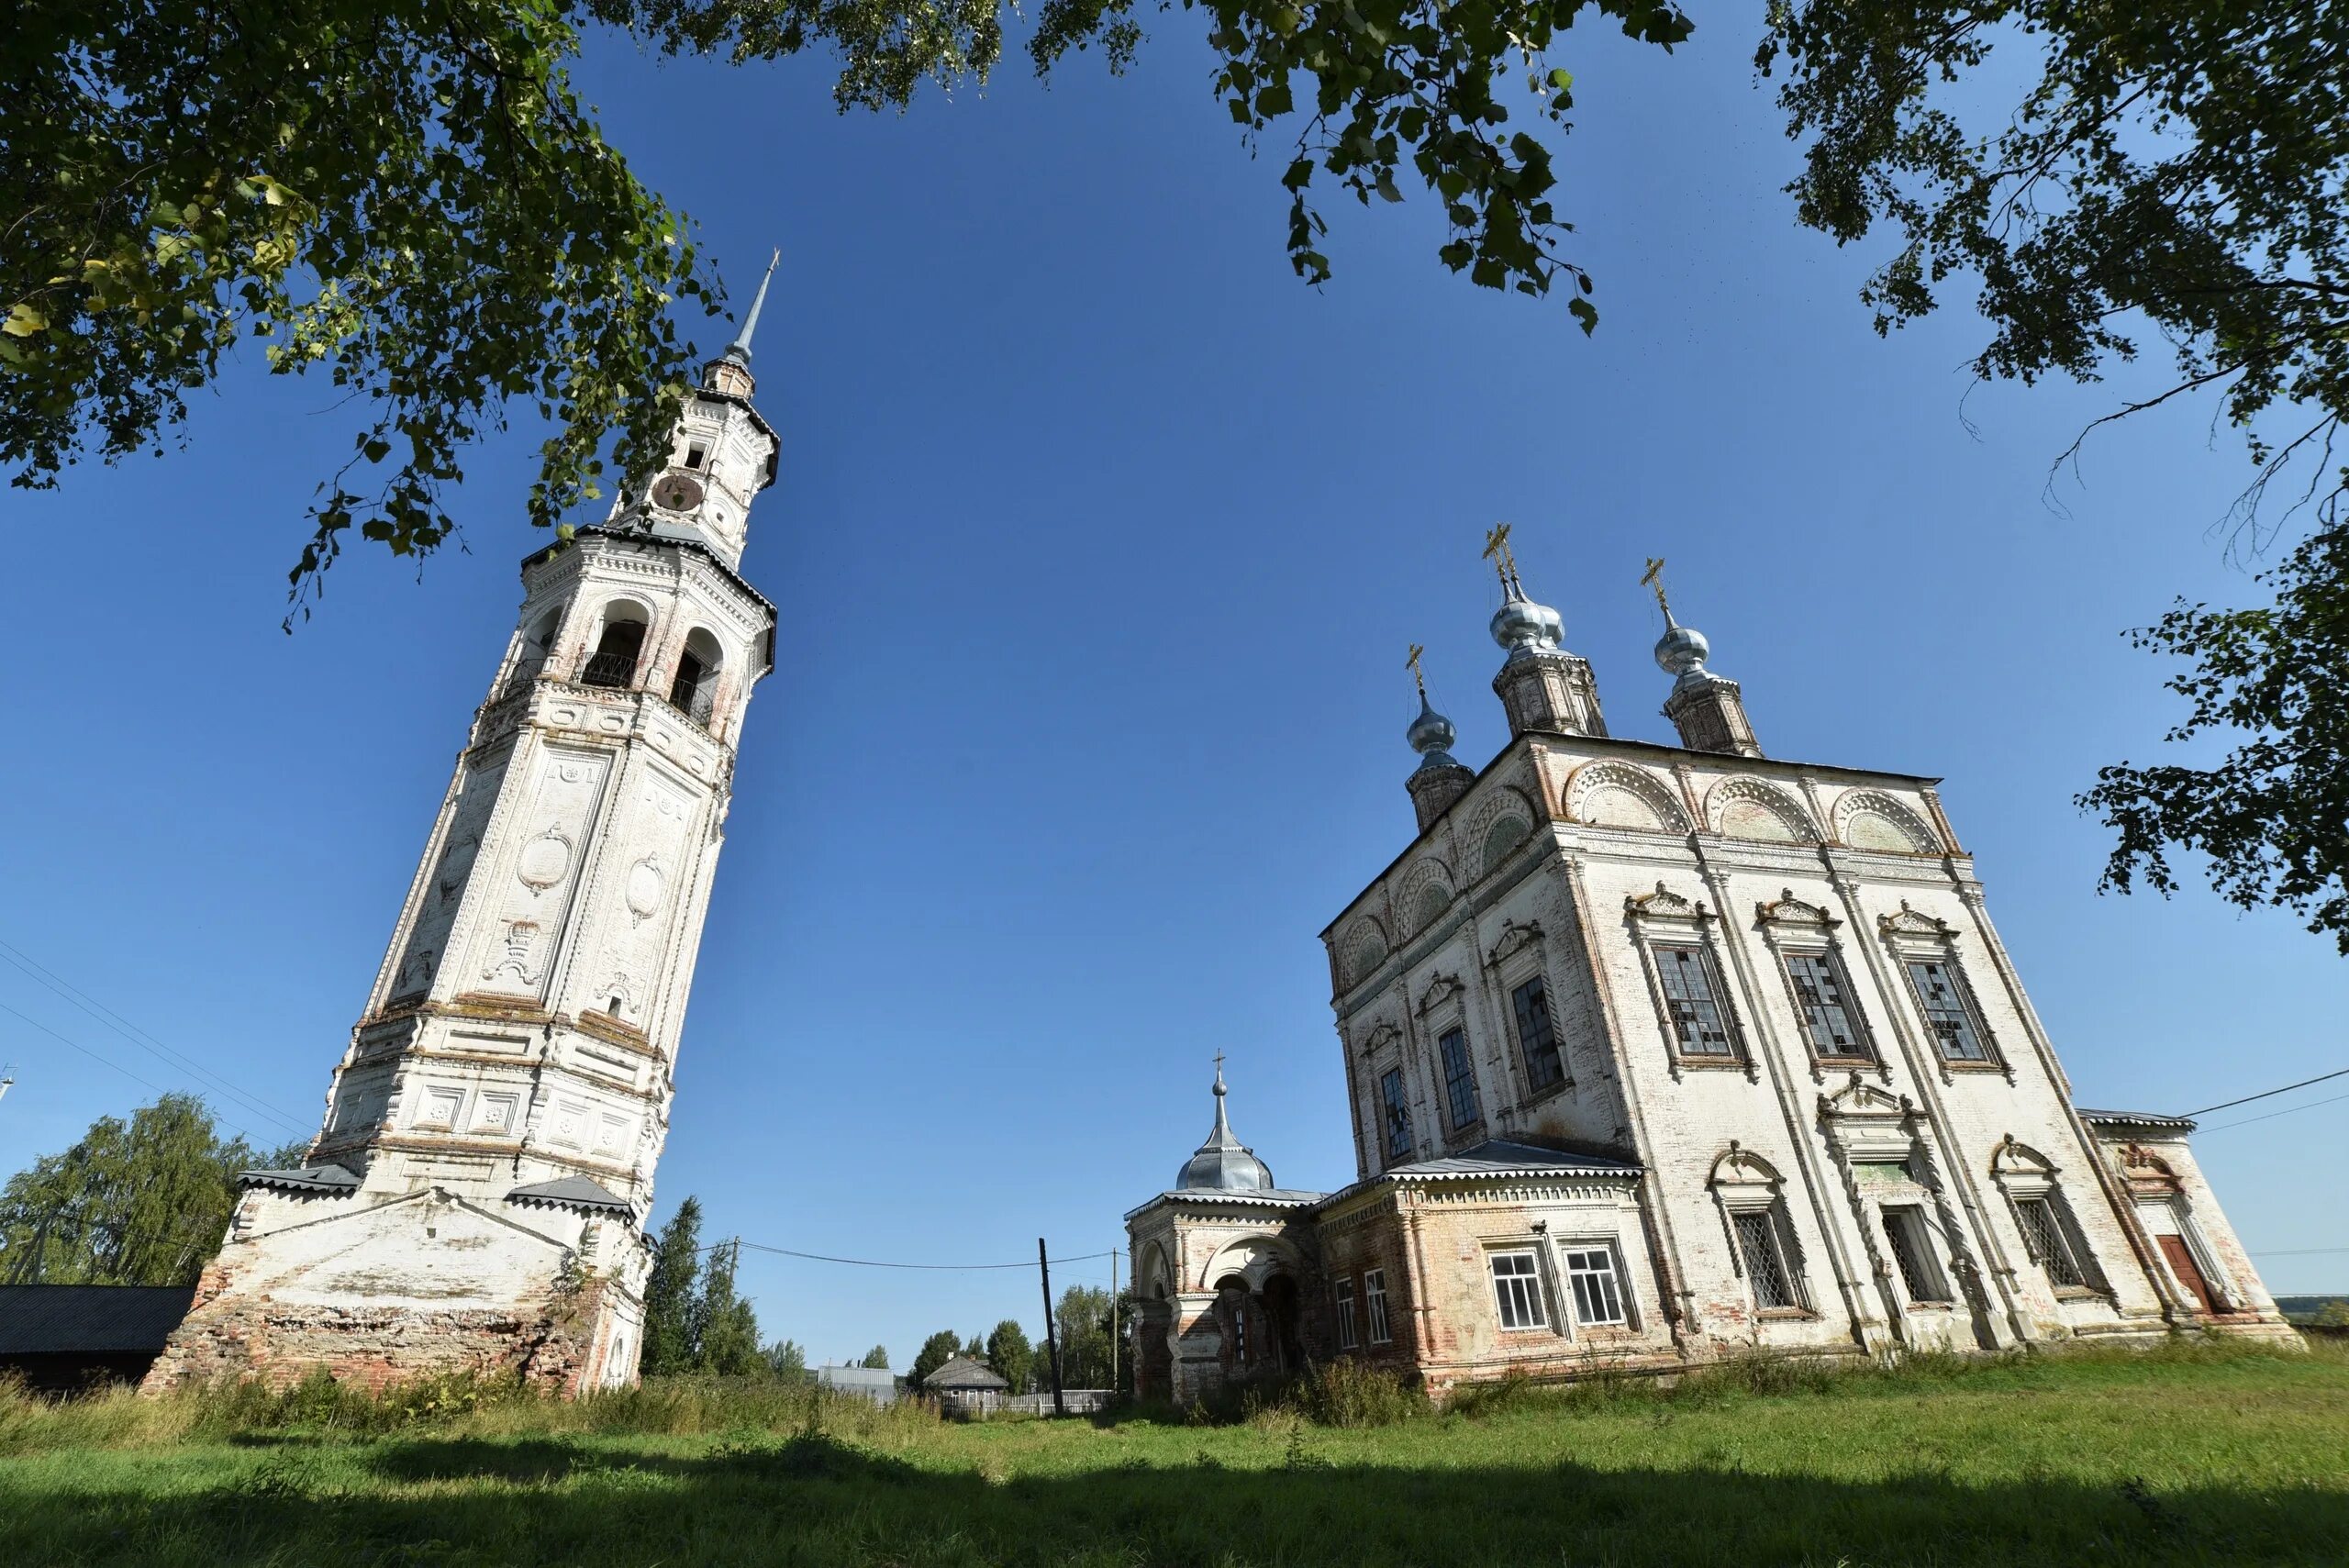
(1504, 561)
(1653, 578)
(739, 349)
(1412, 661)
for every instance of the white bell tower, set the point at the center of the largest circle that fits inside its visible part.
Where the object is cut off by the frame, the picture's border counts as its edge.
(478, 1195)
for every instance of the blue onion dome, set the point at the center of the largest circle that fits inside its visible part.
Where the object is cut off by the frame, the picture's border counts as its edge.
(1523, 627)
(1682, 651)
(1430, 733)
(1223, 1164)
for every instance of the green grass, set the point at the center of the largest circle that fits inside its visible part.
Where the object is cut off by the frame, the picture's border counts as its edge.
(2186, 1456)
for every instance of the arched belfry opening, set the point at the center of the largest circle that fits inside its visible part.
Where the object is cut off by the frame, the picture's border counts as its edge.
(619, 645)
(694, 692)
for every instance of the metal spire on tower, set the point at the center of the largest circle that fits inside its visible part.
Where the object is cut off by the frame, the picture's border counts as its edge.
(739, 349)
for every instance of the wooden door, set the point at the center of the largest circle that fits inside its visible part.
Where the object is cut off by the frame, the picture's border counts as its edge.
(2189, 1271)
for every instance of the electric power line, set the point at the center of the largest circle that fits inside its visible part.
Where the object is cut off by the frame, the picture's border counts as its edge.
(2266, 1095)
(64, 1039)
(2271, 1115)
(2296, 1251)
(871, 1264)
(139, 1037)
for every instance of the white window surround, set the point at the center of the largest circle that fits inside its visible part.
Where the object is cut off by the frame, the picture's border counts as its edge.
(1747, 1190)
(1911, 937)
(1917, 1264)
(2025, 1176)
(1345, 1288)
(1374, 1286)
(1516, 1274)
(1665, 919)
(1597, 1284)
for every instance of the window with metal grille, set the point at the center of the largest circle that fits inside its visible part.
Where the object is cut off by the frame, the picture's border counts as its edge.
(1373, 1296)
(1694, 999)
(1823, 995)
(1399, 1115)
(1346, 1314)
(1598, 1291)
(1765, 1258)
(1459, 1078)
(1947, 1012)
(1535, 1037)
(1912, 1252)
(1517, 1289)
(2044, 1230)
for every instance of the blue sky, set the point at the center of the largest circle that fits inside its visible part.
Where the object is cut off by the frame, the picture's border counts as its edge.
(1097, 545)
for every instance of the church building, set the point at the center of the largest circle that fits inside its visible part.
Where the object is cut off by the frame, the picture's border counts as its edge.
(1661, 1055)
(476, 1198)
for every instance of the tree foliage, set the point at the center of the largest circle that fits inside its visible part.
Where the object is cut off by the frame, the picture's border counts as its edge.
(669, 1294)
(786, 1360)
(1083, 1326)
(145, 1202)
(408, 198)
(877, 1358)
(1011, 1355)
(2174, 169)
(936, 1352)
(2273, 814)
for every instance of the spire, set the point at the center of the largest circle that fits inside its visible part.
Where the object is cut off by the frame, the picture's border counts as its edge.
(1223, 1162)
(1543, 687)
(1439, 778)
(739, 349)
(1707, 709)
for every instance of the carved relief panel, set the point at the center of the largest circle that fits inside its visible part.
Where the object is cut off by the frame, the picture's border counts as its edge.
(528, 894)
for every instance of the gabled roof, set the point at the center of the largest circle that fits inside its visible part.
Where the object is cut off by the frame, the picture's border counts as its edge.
(93, 1319)
(569, 1192)
(306, 1179)
(2136, 1118)
(963, 1371)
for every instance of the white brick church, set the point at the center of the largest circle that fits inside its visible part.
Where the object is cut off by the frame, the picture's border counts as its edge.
(1657, 1055)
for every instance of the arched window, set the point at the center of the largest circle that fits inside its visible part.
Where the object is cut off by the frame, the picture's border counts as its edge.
(694, 690)
(617, 647)
(531, 656)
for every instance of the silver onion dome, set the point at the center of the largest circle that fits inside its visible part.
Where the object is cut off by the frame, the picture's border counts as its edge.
(1682, 651)
(1431, 734)
(1523, 627)
(1223, 1164)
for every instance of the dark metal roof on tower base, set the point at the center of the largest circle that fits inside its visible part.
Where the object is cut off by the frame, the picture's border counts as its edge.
(2136, 1118)
(306, 1179)
(571, 1192)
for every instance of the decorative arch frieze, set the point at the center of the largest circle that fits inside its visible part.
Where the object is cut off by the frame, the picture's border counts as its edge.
(1423, 895)
(1758, 811)
(1613, 794)
(1738, 1166)
(1871, 819)
(1502, 820)
(1252, 1258)
(1364, 950)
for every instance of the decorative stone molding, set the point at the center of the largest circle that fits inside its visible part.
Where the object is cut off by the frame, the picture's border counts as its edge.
(1758, 811)
(1583, 798)
(1423, 895)
(1787, 910)
(1911, 923)
(1871, 819)
(1381, 1037)
(1514, 937)
(1443, 988)
(1665, 904)
(1504, 804)
(1363, 949)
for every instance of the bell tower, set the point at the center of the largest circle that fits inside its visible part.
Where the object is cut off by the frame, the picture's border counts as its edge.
(476, 1196)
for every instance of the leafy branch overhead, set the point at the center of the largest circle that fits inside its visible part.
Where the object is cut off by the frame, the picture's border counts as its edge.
(408, 198)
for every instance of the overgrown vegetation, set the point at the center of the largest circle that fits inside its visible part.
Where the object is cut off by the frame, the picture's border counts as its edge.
(2191, 1455)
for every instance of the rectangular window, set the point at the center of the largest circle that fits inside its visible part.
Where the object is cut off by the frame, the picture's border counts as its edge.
(2043, 1229)
(1458, 1079)
(1823, 998)
(1947, 1012)
(1765, 1258)
(1374, 1296)
(1535, 1037)
(1694, 1000)
(1399, 1115)
(1598, 1292)
(1346, 1314)
(1517, 1289)
(1912, 1252)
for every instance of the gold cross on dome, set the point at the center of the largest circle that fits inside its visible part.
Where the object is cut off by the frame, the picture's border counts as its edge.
(1497, 551)
(1653, 578)
(1413, 661)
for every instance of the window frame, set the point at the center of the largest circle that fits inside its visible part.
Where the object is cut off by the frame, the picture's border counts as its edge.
(2049, 1241)
(1394, 1098)
(1694, 944)
(1829, 957)
(1380, 1326)
(1772, 1221)
(1528, 1290)
(1342, 1291)
(1924, 1278)
(1466, 1077)
(1617, 1282)
(1969, 1012)
(1538, 983)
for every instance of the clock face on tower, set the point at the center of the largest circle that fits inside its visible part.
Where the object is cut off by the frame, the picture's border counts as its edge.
(676, 492)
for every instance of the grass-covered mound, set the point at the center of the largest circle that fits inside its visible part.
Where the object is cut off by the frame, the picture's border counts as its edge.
(2191, 1455)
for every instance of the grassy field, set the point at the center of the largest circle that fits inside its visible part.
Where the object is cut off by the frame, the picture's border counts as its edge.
(2183, 1457)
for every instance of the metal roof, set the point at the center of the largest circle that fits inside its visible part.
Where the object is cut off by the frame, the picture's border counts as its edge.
(1499, 1157)
(963, 1371)
(102, 1319)
(574, 1191)
(1243, 1198)
(305, 1179)
(2137, 1118)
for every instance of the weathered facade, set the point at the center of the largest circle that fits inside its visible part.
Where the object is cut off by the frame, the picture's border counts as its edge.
(1662, 1054)
(475, 1199)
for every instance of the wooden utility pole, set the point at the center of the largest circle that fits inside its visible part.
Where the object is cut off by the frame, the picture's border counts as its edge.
(1051, 1341)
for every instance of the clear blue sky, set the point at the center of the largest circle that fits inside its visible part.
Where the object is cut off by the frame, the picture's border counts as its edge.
(1098, 544)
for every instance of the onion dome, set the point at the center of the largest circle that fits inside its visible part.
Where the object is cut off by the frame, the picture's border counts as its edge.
(1525, 627)
(1223, 1164)
(1682, 651)
(1431, 736)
